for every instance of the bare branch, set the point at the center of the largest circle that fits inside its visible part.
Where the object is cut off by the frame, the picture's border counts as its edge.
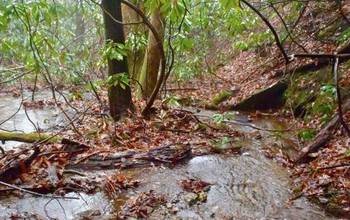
(272, 29)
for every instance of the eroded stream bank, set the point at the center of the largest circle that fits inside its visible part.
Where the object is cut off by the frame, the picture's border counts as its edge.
(243, 186)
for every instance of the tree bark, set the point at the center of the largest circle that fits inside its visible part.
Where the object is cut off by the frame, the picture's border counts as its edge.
(120, 100)
(80, 23)
(136, 54)
(151, 63)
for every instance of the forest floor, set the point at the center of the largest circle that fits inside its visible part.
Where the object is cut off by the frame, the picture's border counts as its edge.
(164, 139)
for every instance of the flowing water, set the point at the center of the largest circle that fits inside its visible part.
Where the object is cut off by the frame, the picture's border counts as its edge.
(245, 186)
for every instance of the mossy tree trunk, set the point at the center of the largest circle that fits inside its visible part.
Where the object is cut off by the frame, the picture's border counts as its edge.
(120, 100)
(137, 52)
(29, 137)
(151, 63)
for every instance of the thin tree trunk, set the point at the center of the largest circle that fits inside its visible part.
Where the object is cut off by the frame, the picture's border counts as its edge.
(80, 23)
(136, 27)
(151, 63)
(120, 100)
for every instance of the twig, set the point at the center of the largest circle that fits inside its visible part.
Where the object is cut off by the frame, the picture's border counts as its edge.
(301, 14)
(287, 29)
(171, 48)
(272, 29)
(16, 77)
(90, 155)
(25, 111)
(236, 122)
(35, 193)
(181, 89)
(11, 69)
(320, 55)
(340, 108)
(113, 18)
(342, 12)
(74, 172)
(334, 166)
(2, 151)
(176, 130)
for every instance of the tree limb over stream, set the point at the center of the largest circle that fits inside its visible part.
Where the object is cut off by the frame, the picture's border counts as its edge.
(29, 137)
(38, 138)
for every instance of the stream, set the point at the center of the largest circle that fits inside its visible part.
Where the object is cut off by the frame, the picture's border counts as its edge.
(14, 118)
(244, 186)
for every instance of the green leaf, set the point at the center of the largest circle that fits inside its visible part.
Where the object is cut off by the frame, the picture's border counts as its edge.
(229, 4)
(118, 79)
(307, 134)
(172, 101)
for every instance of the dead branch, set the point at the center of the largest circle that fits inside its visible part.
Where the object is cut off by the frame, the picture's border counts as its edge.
(339, 101)
(320, 55)
(322, 137)
(169, 154)
(272, 29)
(343, 53)
(35, 193)
(301, 14)
(289, 34)
(13, 169)
(42, 138)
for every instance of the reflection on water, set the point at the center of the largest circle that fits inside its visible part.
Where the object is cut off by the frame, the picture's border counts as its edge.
(56, 209)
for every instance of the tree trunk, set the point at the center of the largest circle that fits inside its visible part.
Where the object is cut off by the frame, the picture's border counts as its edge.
(80, 23)
(135, 54)
(120, 100)
(151, 63)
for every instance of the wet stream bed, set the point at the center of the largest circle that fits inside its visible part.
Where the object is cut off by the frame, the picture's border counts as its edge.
(15, 117)
(242, 186)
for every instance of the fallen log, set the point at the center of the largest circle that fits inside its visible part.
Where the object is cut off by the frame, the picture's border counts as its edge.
(12, 170)
(169, 154)
(19, 162)
(322, 137)
(42, 138)
(320, 140)
(29, 137)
